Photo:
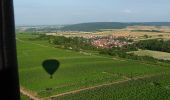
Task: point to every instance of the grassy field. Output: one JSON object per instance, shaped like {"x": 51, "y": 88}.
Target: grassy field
{"x": 155, "y": 54}
{"x": 77, "y": 71}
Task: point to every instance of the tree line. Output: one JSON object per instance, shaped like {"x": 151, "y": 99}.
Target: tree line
{"x": 154, "y": 44}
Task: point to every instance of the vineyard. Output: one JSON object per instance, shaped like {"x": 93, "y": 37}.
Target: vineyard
{"x": 78, "y": 70}
{"x": 154, "y": 88}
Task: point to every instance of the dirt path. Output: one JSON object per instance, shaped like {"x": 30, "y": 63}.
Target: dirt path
{"x": 31, "y": 96}
{"x": 89, "y": 88}
{"x": 98, "y": 86}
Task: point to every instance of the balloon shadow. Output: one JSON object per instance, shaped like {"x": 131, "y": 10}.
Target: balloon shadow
{"x": 51, "y": 66}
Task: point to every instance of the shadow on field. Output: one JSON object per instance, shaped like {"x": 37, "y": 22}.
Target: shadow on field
{"x": 51, "y": 66}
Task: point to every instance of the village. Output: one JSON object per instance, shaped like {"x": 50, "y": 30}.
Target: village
{"x": 110, "y": 41}
{"x": 101, "y": 41}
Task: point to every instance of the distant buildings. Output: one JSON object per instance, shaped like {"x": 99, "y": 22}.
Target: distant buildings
{"x": 109, "y": 42}
{"x": 100, "y": 41}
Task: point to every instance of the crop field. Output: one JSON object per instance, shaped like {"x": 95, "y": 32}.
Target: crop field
{"x": 77, "y": 71}
{"x": 134, "y": 34}
{"x": 138, "y": 32}
{"x": 153, "y": 88}
{"x": 155, "y": 54}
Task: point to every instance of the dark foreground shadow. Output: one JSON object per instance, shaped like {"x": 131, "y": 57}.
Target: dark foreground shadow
{"x": 51, "y": 66}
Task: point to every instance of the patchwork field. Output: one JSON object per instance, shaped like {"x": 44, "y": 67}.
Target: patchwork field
{"x": 134, "y": 32}
{"x": 77, "y": 71}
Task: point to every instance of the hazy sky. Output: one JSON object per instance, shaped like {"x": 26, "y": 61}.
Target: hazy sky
{"x": 40, "y": 12}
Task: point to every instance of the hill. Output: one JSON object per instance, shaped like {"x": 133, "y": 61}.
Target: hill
{"x": 96, "y": 26}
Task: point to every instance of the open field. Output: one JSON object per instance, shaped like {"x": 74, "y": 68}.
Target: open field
{"x": 159, "y": 28}
{"x": 77, "y": 70}
{"x": 139, "y": 35}
{"x": 155, "y": 54}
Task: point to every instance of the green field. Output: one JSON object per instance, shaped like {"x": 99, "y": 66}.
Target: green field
{"x": 153, "y": 88}
{"x": 77, "y": 70}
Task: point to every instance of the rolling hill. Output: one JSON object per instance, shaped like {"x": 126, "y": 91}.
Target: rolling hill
{"x": 96, "y": 26}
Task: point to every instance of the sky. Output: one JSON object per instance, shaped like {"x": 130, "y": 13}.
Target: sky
{"x": 59, "y": 12}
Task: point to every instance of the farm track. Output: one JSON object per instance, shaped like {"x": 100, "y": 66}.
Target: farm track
{"x": 98, "y": 86}
{"x": 30, "y": 95}
{"x": 33, "y": 96}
